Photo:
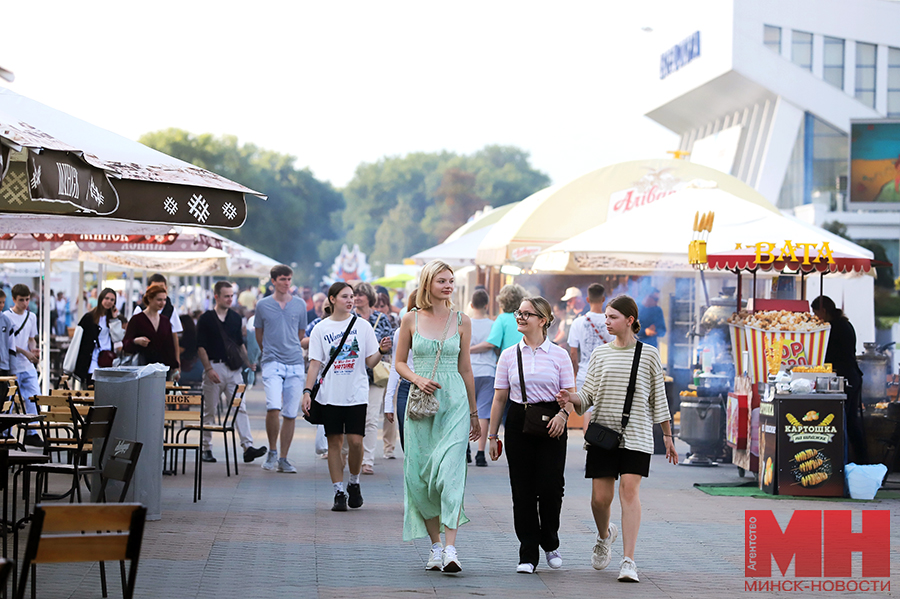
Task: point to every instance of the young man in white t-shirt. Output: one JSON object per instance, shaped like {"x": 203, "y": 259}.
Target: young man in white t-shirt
{"x": 25, "y": 332}
{"x": 588, "y": 332}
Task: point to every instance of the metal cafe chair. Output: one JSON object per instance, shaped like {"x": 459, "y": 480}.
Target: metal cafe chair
{"x": 227, "y": 427}
{"x": 119, "y": 467}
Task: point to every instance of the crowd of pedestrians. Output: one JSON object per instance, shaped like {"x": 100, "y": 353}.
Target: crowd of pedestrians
{"x": 431, "y": 378}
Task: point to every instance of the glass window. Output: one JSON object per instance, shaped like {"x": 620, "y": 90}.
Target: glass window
{"x": 865, "y": 73}
{"x": 893, "y": 83}
{"x": 801, "y": 49}
{"x": 772, "y": 38}
{"x": 833, "y": 65}
{"x": 827, "y": 157}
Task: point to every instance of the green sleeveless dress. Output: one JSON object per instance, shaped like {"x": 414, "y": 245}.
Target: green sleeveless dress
{"x": 434, "y": 466}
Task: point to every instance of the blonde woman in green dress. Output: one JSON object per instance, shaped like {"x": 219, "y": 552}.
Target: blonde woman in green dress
{"x": 435, "y": 447}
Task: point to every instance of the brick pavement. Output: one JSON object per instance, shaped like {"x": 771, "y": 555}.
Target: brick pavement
{"x": 267, "y": 535}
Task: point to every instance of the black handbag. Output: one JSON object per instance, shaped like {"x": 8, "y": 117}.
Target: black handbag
{"x": 537, "y": 415}
{"x": 316, "y": 410}
{"x": 603, "y": 436}
{"x": 234, "y": 359}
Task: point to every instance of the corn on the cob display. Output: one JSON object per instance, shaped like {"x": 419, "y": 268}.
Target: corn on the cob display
{"x": 792, "y": 420}
{"x": 811, "y": 480}
{"x": 810, "y": 465}
{"x": 827, "y": 420}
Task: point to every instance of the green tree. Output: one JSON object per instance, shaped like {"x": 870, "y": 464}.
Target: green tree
{"x": 401, "y": 205}
{"x": 302, "y": 215}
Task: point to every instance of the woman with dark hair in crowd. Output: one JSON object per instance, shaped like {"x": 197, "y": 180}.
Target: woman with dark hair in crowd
{"x": 606, "y": 388}
{"x": 841, "y": 354}
{"x": 149, "y": 333}
{"x": 97, "y": 347}
{"x": 344, "y": 389}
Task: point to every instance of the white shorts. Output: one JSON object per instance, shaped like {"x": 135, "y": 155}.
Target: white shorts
{"x": 284, "y": 387}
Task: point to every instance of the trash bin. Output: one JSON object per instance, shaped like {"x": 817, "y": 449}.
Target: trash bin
{"x": 139, "y": 394}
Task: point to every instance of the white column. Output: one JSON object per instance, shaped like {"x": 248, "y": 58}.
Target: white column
{"x": 129, "y": 292}
{"x": 80, "y": 290}
{"x": 818, "y": 55}
{"x": 777, "y": 149}
{"x": 45, "y": 322}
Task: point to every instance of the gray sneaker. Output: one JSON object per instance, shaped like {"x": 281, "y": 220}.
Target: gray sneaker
{"x": 285, "y": 466}
{"x": 602, "y": 553}
{"x": 271, "y": 461}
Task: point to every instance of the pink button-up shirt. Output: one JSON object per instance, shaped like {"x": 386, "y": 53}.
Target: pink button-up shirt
{"x": 547, "y": 369}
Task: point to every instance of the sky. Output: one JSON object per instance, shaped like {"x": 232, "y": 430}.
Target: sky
{"x": 336, "y": 84}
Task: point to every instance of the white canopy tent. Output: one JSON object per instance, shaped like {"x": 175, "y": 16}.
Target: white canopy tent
{"x": 653, "y": 240}
{"x": 655, "y": 237}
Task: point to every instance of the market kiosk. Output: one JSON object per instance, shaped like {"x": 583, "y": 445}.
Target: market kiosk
{"x": 784, "y": 418}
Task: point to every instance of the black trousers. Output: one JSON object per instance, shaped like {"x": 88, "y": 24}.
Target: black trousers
{"x": 537, "y": 476}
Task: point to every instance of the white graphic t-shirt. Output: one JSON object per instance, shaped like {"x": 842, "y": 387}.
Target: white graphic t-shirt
{"x": 587, "y": 333}
{"x": 345, "y": 383}
{"x": 20, "y": 363}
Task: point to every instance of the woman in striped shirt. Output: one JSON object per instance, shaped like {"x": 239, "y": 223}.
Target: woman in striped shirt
{"x": 605, "y": 387}
{"x": 536, "y": 462}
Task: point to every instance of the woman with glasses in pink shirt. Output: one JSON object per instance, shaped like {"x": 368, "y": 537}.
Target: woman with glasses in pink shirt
{"x": 531, "y": 374}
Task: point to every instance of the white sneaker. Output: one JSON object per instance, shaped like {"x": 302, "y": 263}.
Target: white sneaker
{"x": 451, "y": 561}
{"x": 525, "y": 568}
{"x": 271, "y": 461}
{"x": 602, "y": 553}
{"x": 554, "y": 559}
{"x": 628, "y": 571}
{"x": 435, "y": 562}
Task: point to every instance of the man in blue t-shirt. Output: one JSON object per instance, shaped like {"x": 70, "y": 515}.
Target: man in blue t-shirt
{"x": 280, "y": 326}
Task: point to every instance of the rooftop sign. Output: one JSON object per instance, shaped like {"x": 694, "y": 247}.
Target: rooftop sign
{"x": 679, "y": 55}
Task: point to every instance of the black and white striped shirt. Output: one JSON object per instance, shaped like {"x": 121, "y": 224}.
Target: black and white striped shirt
{"x": 605, "y": 386}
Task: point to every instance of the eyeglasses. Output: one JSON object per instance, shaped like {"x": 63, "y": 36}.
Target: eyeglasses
{"x": 525, "y": 315}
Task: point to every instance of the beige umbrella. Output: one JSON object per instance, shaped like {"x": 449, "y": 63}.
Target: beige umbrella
{"x": 563, "y": 211}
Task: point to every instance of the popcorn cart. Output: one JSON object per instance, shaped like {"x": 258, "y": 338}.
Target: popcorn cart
{"x": 769, "y": 326}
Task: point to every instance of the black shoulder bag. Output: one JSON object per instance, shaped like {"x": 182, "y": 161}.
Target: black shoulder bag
{"x": 603, "y": 436}
{"x": 234, "y": 359}
{"x": 316, "y": 415}
{"x": 537, "y": 415}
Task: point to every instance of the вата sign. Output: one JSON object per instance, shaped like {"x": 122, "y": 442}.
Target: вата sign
{"x": 679, "y": 55}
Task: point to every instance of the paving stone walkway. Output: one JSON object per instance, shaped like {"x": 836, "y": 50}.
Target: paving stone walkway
{"x": 268, "y": 535}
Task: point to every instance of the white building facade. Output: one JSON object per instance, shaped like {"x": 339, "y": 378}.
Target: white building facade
{"x": 766, "y": 90}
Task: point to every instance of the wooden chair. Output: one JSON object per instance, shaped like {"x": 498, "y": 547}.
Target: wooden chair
{"x": 57, "y": 427}
{"x": 86, "y": 396}
{"x": 96, "y": 425}
{"x": 87, "y": 532}
{"x": 9, "y": 403}
{"x": 119, "y": 467}
{"x": 228, "y": 427}
{"x": 191, "y": 412}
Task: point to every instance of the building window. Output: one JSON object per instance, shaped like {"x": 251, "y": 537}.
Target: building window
{"x": 865, "y": 73}
{"x": 772, "y": 38}
{"x": 801, "y": 49}
{"x": 833, "y": 65}
{"x": 893, "y": 89}
{"x": 826, "y": 158}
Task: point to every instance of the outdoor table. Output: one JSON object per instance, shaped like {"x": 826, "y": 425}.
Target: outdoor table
{"x": 14, "y": 458}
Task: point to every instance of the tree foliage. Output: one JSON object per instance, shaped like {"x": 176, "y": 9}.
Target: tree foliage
{"x": 302, "y": 215}
{"x": 401, "y": 205}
